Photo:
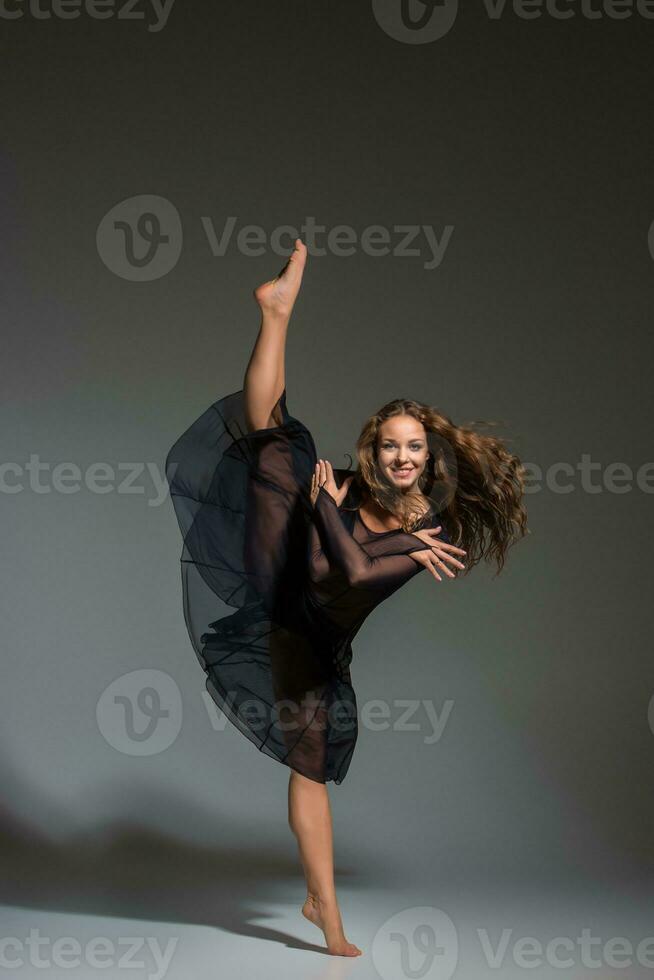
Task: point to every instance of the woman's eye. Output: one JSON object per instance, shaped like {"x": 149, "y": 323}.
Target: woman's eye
{"x": 413, "y": 449}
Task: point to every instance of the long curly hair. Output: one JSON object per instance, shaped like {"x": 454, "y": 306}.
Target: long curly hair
{"x": 472, "y": 481}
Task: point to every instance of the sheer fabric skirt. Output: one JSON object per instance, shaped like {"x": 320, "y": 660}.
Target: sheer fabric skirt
{"x": 274, "y": 666}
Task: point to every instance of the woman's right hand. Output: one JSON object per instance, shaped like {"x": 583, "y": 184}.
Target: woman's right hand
{"x": 323, "y": 476}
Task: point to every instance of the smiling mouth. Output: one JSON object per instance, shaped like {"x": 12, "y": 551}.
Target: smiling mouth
{"x": 403, "y": 472}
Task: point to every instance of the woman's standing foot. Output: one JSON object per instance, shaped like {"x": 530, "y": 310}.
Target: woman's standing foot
{"x": 326, "y": 916}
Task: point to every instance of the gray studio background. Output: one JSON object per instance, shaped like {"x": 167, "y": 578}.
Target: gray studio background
{"x": 532, "y": 139}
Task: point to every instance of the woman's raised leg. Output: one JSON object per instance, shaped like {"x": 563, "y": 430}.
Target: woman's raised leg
{"x": 310, "y": 818}
{"x": 264, "y": 376}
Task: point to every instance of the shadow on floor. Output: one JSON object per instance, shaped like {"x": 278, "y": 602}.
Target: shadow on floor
{"x": 133, "y": 871}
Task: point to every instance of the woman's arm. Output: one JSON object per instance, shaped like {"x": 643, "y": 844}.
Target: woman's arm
{"x": 319, "y": 567}
{"x": 329, "y": 534}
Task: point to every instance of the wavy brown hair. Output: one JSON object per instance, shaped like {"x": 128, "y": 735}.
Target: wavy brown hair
{"x": 472, "y": 481}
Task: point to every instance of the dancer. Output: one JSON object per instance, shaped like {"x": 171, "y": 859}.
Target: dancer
{"x": 305, "y": 552}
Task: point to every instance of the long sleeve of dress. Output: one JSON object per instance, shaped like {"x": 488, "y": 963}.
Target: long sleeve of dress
{"x": 331, "y": 545}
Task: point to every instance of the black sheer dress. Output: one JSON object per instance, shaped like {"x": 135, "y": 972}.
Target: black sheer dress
{"x": 302, "y": 581}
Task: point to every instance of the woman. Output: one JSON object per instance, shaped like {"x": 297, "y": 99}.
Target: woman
{"x": 304, "y": 559}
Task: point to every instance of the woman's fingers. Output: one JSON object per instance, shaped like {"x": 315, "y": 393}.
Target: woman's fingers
{"x": 444, "y": 555}
{"x": 428, "y": 560}
{"x": 444, "y": 544}
{"x": 444, "y": 568}
{"x": 325, "y": 471}
{"x": 439, "y": 548}
{"x": 431, "y": 565}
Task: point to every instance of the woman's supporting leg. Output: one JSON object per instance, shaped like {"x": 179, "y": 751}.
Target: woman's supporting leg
{"x": 310, "y": 818}
{"x": 264, "y": 376}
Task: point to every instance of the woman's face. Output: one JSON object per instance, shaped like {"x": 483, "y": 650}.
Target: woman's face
{"x": 402, "y": 450}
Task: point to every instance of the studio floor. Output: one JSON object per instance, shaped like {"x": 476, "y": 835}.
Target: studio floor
{"x": 434, "y": 933}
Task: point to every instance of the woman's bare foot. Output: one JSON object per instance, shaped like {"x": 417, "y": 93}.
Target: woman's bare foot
{"x": 326, "y": 916}
{"x": 277, "y": 296}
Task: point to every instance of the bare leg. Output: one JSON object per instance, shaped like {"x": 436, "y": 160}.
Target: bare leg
{"x": 310, "y": 818}
{"x": 309, "y": 812}
{"x": 264, "y": 376}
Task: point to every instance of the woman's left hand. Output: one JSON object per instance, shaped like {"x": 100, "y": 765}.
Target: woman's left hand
{"x": 429, "y": 535}
{"x": 323, "y": 476}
